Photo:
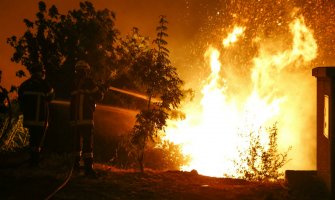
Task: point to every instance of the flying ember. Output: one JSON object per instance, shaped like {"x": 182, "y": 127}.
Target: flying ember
{"x": 216, "y": 127}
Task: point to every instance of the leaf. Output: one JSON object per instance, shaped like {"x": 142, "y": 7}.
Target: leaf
{"x": 28, "y": 23}
{"x": 53, "y": 12}
{"x": 41, "y": 6}
{"x": 13, "y": 88}
{"x": 20, "y": 74}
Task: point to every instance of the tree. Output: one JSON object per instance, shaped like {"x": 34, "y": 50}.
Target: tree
{"x": 160, "y": 80}
{"x": 130, "y": 51}
{"x": 12, "y": 134}
{"x": 56, "y": 42}
{"x": 262, "y": 162}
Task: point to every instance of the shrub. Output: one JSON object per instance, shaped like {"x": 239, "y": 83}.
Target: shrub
{"x": 12, "y": 133}
{"x": 261, "y": 160}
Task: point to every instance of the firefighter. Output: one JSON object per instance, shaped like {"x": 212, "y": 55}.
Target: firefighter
{"x": 84, "y": 95}
{"x": 34, "y": 96}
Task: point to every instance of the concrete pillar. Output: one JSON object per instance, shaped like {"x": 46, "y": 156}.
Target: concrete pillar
{"x": 325, "y": 125}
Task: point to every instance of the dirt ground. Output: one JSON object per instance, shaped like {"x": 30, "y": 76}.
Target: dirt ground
{"x": 25, "y": 182}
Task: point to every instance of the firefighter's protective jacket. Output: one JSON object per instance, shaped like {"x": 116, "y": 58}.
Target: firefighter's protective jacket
{"x": 34, "y": 97}
{"x": 84, "y": 95}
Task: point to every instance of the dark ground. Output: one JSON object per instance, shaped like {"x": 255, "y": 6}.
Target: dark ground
{"x": 25, "y": 182}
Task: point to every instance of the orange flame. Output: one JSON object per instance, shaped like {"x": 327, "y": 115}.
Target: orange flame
{"x": 233, "y": 37}
{"x": 211, "y": 132}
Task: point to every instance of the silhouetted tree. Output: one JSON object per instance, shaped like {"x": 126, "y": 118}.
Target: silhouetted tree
{"x": 56, "y": 42}
{"x": 161, "y": 81}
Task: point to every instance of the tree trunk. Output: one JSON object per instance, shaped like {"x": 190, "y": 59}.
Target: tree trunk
{"x": 140, "y": 161}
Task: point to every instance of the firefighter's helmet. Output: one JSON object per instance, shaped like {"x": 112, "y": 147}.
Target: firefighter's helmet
{"x": 82, "y": 66}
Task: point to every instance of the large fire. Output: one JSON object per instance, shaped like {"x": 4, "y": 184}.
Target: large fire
{"x": 211, "y": 132}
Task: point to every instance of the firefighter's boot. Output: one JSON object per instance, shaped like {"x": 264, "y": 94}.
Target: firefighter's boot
{"x": 76, "y": 164}
{"x": 89, "y": 171}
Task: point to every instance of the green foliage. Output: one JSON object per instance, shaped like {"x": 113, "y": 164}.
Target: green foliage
{"x": 13, "y": 136}
{"x": 17, "y": 137}
{"x": 20, "y": 73}
{"x": 131, "y": 53}
{"x": 12, "y": 133}
{"x": 165, "y": 156}
{"x": 57, "y": 41}
{"x": 160, "y": 80}
{"x": 262, "y": 162}
{"x": 160, "y": 155}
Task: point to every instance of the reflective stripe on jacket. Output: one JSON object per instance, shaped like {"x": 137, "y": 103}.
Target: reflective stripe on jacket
{"x": 82, "y": 105}
{"x": 34, "y": 96}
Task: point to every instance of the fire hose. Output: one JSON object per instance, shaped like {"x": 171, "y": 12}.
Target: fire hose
{"x": 65, "y": 182}
{"x": 134, "y": 94}
{"x": 68, "y": 177}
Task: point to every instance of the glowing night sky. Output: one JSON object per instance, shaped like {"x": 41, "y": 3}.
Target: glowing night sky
{"x": 192, "y": 23}
{"x": 182, "y": 17}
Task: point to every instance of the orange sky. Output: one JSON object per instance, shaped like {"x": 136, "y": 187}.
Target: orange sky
{"x": 143, "y": 14}
{"x": 188, "y": 21}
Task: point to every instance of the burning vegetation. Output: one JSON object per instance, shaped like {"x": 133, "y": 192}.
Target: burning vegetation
{"x": 230, "y": 131}
{"x": 254, "y": 104}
